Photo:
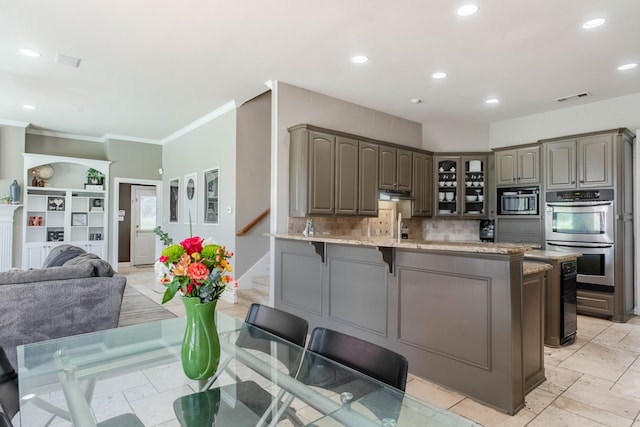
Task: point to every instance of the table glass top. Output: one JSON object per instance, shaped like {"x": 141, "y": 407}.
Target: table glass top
{"x": 97, "y": 378}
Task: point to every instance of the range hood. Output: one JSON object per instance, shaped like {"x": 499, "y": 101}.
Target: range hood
{"x": 395, "y": 195}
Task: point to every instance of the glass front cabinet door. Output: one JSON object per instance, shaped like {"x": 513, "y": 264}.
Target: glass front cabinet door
{"x": 461, "y": 186}
{"x": 447, "y": 170}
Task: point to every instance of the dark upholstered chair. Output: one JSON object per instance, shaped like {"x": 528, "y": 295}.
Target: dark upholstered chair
{"x": 252, "y": 401}
{"x": 373, "y": 360}
{"x": 379, "y": 363}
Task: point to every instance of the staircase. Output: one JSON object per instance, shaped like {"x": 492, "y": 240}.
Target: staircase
{"x": 258, "y": 293}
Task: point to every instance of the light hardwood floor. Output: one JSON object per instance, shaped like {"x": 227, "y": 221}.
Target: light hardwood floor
{"x": 592, "y": 382}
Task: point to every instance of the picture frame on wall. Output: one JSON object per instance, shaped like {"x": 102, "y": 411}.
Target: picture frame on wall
{"x": 211, "y": 196}
{"x": 174, "y": 199}
{"x": 190, "y": 193}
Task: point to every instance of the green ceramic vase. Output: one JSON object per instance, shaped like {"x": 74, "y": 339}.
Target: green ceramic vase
{"x": 200, "y": 345}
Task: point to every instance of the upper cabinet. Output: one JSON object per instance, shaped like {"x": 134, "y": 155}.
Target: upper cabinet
{"x": 422, "y": 184}
{"x": 461, "y": 181}
{"x": 368, "y": 170}
{"x": 332, "y": 173}
{"x": 518, "y": 166}
{"x": 395, "y": 168}
{"x": 583, "y": 162}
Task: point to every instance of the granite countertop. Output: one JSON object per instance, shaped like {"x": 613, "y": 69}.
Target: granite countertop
{"x": 529, "y": 267}
{"x": 474, "y": 247}
{"x": 543, "y": 255}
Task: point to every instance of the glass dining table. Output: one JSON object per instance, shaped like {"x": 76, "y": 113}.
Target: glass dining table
{"x": 132, "y": 376}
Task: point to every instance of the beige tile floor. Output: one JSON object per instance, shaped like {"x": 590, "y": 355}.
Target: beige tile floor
{"x": 593, "y": 382}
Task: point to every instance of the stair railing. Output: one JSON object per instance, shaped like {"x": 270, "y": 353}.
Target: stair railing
{"x": 253, "y": 223}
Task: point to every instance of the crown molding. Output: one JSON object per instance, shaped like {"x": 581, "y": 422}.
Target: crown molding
{"x": 16, "y": 123}
{"x": 229, "y": 106}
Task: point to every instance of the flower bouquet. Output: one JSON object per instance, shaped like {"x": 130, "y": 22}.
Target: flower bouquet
{"x": 196, "y": 267}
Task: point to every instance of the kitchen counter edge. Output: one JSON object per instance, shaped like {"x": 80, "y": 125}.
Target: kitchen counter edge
{"x": 453, "y": 246}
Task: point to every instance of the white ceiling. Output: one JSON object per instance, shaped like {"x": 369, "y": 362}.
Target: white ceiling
{"x": 150, "y": 68}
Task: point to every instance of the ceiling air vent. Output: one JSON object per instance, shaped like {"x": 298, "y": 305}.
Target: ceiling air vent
{"x": 572, "y": 97}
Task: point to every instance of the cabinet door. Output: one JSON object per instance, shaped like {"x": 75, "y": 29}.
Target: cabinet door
{"x": 346, "y": 176}
{"x": 321, "y": 173}
{"x": 368, "y": 160}
{"x": 447, "y": 174}
{"x": 560, "y": 163}
{"x": 387, "y": 168}
{"x": 528, "y": 170}
{"x": 595, "y": 161}
{"x": 404, "y": 177}
{"x": 506, "y": 167}
{"x": 473, "y": 189}
{"x": 427, "y": 206}
{"x": 417, "y": 206}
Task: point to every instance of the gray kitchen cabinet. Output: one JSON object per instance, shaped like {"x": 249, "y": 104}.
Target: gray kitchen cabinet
{"x": 422, "y": 184}
{"x": 395, "y": 168}
{"x": 311, "y": 172}
{"x": 520, "y": 229}
{"x": 584, "y": 162}
{"x": 461, "y": 185}
{"x": 346, "y": 178}
{"x": 518, "y": 166}
{"x": 368, "y": 169}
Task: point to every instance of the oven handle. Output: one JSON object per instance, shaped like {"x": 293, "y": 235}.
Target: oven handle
{"x": 583, "y": 245}
{"x": 579, "y": 204}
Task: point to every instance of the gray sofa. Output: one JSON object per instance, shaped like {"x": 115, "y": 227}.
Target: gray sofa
{"x": 74, "y": 293}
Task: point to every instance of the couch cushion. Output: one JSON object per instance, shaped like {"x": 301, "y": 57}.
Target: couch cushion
{"x": 46, "y": 274}
{"x": 101, "y": 267}
{"x": 61, "y": 254}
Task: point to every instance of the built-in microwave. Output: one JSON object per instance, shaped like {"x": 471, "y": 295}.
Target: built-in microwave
{"x": 518, "y": 201}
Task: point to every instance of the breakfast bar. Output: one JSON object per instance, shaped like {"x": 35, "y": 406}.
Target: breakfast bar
{"x": 457, "y": 310}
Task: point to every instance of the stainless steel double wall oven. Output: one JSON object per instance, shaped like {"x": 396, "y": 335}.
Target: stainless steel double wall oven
{"x": 583, "y": 222}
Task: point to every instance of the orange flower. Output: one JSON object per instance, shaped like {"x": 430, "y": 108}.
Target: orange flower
{"x": 197, "y": 271}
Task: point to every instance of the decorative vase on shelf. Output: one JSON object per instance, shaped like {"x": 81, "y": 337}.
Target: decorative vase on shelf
{"x": 201, "y": 344}
{"x": 14, "y": 192}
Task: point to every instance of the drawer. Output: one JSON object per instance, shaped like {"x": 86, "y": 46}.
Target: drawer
{"x": 599, "y": 303}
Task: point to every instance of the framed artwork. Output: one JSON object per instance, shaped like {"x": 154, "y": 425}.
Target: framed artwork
{"x": 211, "y": 195}
{"x": 190, "y": 199}
{"x": 79, "y": 219}
{"x": 55, "y": 203}
{"x": 174, "y": 197}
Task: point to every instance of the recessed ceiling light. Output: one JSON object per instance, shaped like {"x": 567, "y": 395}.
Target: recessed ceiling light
{"x": 359, "y": 59}
{"x": 439, "y": 75}
{"x": 467, "y": 9}
{"x": 30, "y": 52}
{"x": 627, "y": 67}
{"x": 416, "y": 101}
{"x": 492, "y": 101}
{"x": 29, "y": 107}
{"x": 593, "y": 23}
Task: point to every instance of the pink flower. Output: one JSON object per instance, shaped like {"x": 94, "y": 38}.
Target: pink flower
{"x": 163, "y": 258}
{"x": 197, "y": 271}
{"x": 192, "y": 245}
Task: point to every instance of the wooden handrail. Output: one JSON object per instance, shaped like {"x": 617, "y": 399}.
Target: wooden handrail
{"x": 253, "y": 223}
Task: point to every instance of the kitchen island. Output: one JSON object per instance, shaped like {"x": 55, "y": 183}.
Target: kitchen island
{"x": 454, "y": 309}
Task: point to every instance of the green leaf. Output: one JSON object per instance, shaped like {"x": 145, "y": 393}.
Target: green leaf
{"x": 172, "y": 288}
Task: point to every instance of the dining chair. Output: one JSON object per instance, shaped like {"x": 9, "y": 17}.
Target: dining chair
{"x": 9, "y": 403}
{"x": 385, "y": 366}
{"x": 265, "y": 321}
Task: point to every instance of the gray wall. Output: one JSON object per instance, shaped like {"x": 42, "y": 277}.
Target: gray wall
{"x": 295, "y": 105}
{"x": 253, "y": 157}
{"x": 210, "y": 145}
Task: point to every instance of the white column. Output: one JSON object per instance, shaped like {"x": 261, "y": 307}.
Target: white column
{"x": 6, "y": 235}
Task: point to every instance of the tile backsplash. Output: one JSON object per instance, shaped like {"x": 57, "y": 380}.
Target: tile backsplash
{"x": 385, "y": 225}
